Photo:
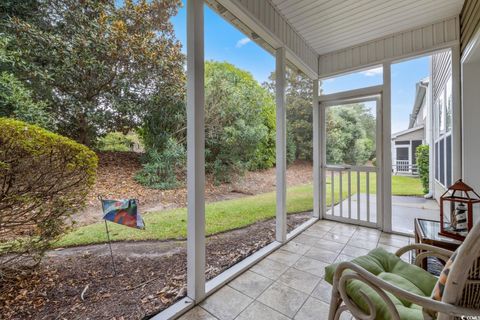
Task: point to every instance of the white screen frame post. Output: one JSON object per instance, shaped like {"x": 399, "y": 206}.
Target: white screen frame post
{"x": 281, "y": 146}
{"x": 387, "y": 147}
{"x": 195, "y": 151}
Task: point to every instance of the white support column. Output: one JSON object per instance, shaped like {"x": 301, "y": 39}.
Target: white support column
{"x": 456, "y": 116}
{"x": 195, "y": 151}
{"x": 281, "y": 146}
{"x": 386, "y": 152}
{"x": 318, "y": 186}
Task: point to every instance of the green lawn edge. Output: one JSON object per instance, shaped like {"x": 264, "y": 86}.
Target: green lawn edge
{"x": 226, "y": 215}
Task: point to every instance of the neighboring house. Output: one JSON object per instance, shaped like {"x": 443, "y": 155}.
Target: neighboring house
{"x": 430, "y": 123}
{"x": 405, "y": 143}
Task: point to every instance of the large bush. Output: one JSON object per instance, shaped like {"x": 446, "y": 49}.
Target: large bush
{"x": 16, "y": 101}
{"x": 239, "y": 122}
{"x": 117, "y": 141}
{"x": 422, "y": 154}
{"x": 161, "y": 169}
{"x": 44, "y": 178}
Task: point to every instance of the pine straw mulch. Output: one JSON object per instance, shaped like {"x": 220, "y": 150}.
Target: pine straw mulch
{"x": 151, "y": 275}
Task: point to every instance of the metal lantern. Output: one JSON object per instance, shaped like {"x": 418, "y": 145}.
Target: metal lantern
{"x": 457, "y": 206}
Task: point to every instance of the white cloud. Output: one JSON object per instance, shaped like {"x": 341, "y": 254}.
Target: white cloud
{"x": 242, "y": 42}
{"x": 373, "y": 72}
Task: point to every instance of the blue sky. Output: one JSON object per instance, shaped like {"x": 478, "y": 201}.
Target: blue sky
{"x": 404, "y": 77}
{"x": 223, "y": 42}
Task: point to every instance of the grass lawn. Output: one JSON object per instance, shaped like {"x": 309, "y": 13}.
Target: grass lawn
{"x": 228, "y": 214}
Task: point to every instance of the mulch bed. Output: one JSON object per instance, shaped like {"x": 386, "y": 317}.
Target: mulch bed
{"x": 151, "y": 276}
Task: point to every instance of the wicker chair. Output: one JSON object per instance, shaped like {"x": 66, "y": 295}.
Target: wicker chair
{"x": 461, "y": 295}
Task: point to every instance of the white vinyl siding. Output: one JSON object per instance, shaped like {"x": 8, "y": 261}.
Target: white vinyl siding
{"x": 442, "y": 108}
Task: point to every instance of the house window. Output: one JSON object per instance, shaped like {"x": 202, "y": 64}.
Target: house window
{"x": 441, "y": 111}
{"x": 448, "y": 106}
{"x": 448, "y": 156}
{"x": 436, "y": 161}
{"x": 443, "y": 136}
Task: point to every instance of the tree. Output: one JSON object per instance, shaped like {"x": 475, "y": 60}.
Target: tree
{"x": 239, "y": 121}
{"x": 99, "y": 67}
{"x": 16, "y": 102}
{"x": 299, "y": 94}
{"x": 239, "y": 129}
{"x": 349, "y": 134}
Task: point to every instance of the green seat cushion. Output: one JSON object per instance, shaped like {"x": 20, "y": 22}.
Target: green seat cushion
{"x": 394, "y": 270}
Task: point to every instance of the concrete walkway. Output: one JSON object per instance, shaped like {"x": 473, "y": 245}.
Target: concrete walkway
{"x": 404, "y": 210}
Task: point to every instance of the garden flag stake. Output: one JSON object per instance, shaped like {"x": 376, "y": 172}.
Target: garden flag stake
{"x": 124, "y": 212}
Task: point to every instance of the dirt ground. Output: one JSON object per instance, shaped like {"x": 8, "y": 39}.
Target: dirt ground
{"x": 150, "y": 276}
{"x": 115, "y": 179}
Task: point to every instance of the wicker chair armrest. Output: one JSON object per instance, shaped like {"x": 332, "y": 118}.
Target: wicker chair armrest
{"x": 381, "y": 287}
{"x": 428, "y": 251}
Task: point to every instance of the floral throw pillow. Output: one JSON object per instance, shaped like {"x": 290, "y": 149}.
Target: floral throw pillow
{"x": 437, "y": 292}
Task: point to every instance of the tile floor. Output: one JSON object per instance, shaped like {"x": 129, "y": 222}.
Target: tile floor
{"x": 288, "y": 284}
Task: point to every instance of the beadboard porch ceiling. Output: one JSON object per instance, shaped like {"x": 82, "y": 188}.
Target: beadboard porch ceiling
{"x": 330, "y": 25}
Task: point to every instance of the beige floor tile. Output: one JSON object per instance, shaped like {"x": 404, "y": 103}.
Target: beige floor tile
{"x": 365, "y": 237}
{"x": 226, "y": 303}
{"x": 251, "y": 284}
{"x": 395, "y": 236}
{"x": 283, "y": 299}
{"x": 344, "y": 230}
{"x": 299, "y": 280}
{"x": 313, "y": 309}
{"x": 394, "y": 242}
{"x": 323, "y": 291}
{"x": 322, "y": 255}
{"x": 320, "y": 225}
{"x": 388, "y": 248}
{"x": 354, "y": 251}
{"x": 197, "y": 313}
{"x": 259, "y": 311}
{"x": 343, "y": 257}
{"x": 314, "y": 233}
{"x": 330, "y": 245}
{"x": 336, "y": 237}
{"x": 285, "y": 257}
{"x": 269, "y": 268}
{"x": 307, "y": 239}
{"x": 296, "y": 247}
{"x": 363, "y": 244}
{"x": 312, "y": 266}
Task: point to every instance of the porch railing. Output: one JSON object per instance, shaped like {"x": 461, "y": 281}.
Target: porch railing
{"x": 351, "y": 191}
{"x": 404, "y": 167}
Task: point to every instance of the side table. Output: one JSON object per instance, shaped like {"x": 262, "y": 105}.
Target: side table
{"x": 426, "y": 231}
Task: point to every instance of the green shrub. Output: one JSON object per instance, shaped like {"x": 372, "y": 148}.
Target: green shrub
{"x": 117, "y": 141}
{"x": 291, "y": 146}
{"x": 44, "y": 178}
{"x": 239, "y": 122}
{"x": 160, "y": 169}
{"x": 422, "y": 154}
{"x": 16, "y": 101}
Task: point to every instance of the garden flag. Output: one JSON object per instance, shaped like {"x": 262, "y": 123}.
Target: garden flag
{"x": 123, "y": 212}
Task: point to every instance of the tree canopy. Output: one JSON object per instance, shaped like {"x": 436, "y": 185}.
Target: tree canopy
{"x": 350, "y": 129}
{"x": 350, "y": 134}
{"x": 99, "y": 67}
